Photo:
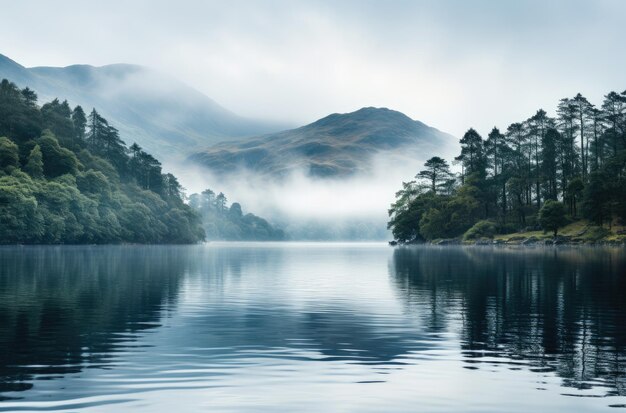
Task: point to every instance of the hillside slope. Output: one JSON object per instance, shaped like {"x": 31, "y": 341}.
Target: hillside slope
{"x": 335, "y": 146}
{"x": 165, "y": 116}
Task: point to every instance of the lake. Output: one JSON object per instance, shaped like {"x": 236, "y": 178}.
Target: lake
{"x": 312, "y": 327}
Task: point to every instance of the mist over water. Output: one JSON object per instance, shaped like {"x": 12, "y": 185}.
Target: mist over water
{"x": 345, "y": 208}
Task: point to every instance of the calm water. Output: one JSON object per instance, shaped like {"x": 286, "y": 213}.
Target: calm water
{"x": 312, "y": 328}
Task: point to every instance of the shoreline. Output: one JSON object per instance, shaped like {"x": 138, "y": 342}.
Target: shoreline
{"x": 576, "y": 233}
{"x": 518, "y": 242}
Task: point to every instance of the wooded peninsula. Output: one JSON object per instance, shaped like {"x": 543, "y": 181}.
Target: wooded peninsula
{"x": 540, "y": 176}
{"x": 66, "y": 177}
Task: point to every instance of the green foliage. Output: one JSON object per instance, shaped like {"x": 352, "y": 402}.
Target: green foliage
{"x": 20, "y": 119}
{"x": 452, "y": 217}
{"x": 481, "y": 229}
{"x": 405, "y": 214}
{"x": 605, "y": 195}
{"x": 573, "y": 191}
{"x": 72, "y": 191}
{"x": 20, "y": 218}
{"x": 436, "y": 174}
{"x": 56, "y": 159}
{"x": 552, "y": 216}
{"x": 34, "y": 164}
{"x": 9, "y": 154}
{"x": 56, "y": 117}
{"x": 578, "y": 158}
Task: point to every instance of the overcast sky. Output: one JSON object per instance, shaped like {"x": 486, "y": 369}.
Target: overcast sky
{"x": 450, "y": 64}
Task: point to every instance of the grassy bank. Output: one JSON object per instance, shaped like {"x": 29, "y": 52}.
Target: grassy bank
{"x": 578, "y": 232}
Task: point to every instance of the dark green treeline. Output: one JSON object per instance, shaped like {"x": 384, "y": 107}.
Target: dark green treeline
{"x": 577, "y": 158}
{"x": 67, "y": 177}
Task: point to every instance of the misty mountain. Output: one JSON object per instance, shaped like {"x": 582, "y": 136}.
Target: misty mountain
{"x": 160, "y": 113}
{"x": 335, "y": 146}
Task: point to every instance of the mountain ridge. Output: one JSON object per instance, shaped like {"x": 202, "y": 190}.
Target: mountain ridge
{"x": 161, "y": 113}
{"x": 340, "y": 144}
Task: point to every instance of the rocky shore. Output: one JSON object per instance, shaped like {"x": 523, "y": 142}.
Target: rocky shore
{"x": 576, "y": 233}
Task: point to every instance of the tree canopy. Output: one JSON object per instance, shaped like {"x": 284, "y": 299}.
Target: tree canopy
{"x": 522, "y": 178}
{"x": 69, "y": 178}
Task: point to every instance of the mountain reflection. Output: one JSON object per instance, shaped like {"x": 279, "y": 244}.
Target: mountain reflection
{"x": 165, "y": 316}
{"x": 560, "y": 310}
{"x": 66, "y": 309}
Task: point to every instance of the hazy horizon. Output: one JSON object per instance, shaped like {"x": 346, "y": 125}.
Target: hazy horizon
{"x": 448, "y": 64}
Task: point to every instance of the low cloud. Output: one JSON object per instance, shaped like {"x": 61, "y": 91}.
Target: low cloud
{"x": 351, "y": 207}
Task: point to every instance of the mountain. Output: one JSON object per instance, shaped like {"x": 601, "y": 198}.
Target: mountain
{"x": 160, "y": 113}
{"x": 335, "y": 146}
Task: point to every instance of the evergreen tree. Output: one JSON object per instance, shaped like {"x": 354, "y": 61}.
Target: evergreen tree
{"x": 498, "y": 158}
{"x": 567, "y": 115}
{"x": 472, "y": 154}
{"x": 597, "y": 146}
{"x": 437, "y": 173}
{"x": 56, "y": 117}
{"x": 220, "y": 203}
{"x": 552, "y": 216}
{"x": 582, "y": 109}
{"x": 9, "y": 154}
{"x": 579, "y": 158}
{"x": 79, "y": 122}
{"x": 20, "y": 118}
{"x": 614, "y": 108}
{"x": 549, "y": 164}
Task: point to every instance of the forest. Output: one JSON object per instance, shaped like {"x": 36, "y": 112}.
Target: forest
{"x": 539, "y": 174}
{"x": 66, "y": 177}
{"x": 223, "y": 222}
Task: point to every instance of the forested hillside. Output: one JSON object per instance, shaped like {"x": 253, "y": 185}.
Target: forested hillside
{"x": 540, "y": 173}
{"x": 67, "y": 177}
{"x": 165, "y": 116}
{"x": 224, "y": 222}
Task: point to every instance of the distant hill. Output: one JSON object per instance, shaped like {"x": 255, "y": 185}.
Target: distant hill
{"x": 163, "y": 115}
{"x": 335, "y": 146}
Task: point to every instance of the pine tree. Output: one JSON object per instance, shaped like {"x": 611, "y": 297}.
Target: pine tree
{"x": 549, "y": 163}
{"x": 79, "y": 120}
{"x": 472, "y": 154}
{"x": 437, "y": 173}
{"x": 582, "y": 110}
{"x": 220, "y": 202}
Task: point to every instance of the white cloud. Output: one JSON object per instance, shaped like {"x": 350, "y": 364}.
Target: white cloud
{"x": 451, "y": 64}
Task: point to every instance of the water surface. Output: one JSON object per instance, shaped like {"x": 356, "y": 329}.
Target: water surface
{"x": 246, "y": 327}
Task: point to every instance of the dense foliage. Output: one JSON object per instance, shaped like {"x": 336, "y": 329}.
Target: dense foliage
{"x": 222, "y": 222}
{"x": 67, "y": 177}
{"x": 574, "y": 164}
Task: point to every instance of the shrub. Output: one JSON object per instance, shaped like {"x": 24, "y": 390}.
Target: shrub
{"x": 552, "y": 216}
{"x": 481, "y": 229}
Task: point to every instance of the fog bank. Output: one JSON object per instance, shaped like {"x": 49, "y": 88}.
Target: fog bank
{"x": 308, "y": 207}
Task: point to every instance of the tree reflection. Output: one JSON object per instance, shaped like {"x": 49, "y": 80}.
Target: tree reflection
{"x": 561, "y": 310}
{"x": 66, "y": 308}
